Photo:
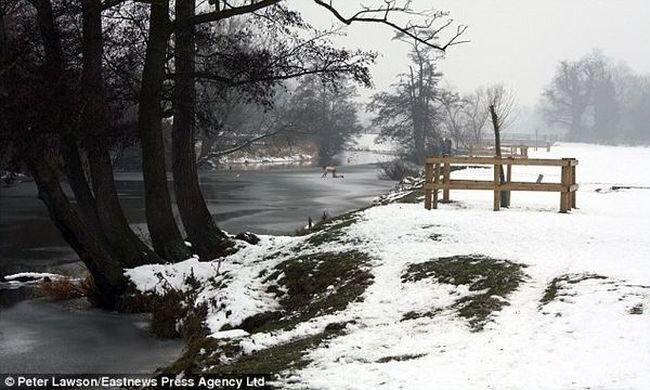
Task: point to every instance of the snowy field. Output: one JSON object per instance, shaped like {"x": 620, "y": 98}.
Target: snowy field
{"x": 579, "y": 319}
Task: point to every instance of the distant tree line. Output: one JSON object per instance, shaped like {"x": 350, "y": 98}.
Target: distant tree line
{"x": 594, "y": 99}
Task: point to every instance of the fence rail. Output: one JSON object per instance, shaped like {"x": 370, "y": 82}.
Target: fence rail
{"x": 515, "y": 151}
{"x": 438, "y": 171}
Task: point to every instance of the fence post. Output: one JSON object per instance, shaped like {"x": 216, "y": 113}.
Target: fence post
{"x": 428, "y": 181}
{"x": 509, "y": 180}
{"x": 565, "y": 194}
{"x": 573, "y": 181}
{"x": 497, "y": 185}
{"x": 445, "y": 182}
{"x": 436, "y": 182}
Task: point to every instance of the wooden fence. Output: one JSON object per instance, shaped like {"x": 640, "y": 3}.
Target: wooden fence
{"x": 515, "y": 151}
{"x": 438, "y": 170}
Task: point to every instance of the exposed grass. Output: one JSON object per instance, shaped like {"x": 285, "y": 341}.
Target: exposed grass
{"x": 414, "y": 196}
{"x": 209, "y": 355}
{"x": 553, "y": 290}
{"x": 636, "y": 309}
{"x": 400, "y": 358}
{"x": 279, "y": 358}
{"x": 491, "y": 280}
{"x": 333, "y": 229}
{"x": 313, "y": 285}
{"x": 203, "y": 353}
{"x": 334, "y": 222}
{"x": 413, "y": 315}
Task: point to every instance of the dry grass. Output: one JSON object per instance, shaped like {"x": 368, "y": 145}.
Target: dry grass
{"x": 66, "y": 288}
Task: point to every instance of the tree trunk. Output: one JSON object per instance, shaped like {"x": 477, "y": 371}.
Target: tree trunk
{"x": 74, "y": 171}
{"x": 165, "y": 235}
{"x": 505, "y": 201}
{"x": 4, "y": 43}
{"x": 131, "y": 250}
{"x": 208, "y": 241}
{"x": 86, "y": 239}
{"x": 94, "y": 119}
{"x": 82, "y": 232}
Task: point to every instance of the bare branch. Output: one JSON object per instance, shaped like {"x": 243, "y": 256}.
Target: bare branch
{"x": 227, "y": 12}
{"x": 423, "y": 33}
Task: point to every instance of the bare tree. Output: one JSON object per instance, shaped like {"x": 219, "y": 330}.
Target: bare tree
{"x": 455, "y": 120}
{"x": 476, "y": 113}
{"x": 502, "y": 105}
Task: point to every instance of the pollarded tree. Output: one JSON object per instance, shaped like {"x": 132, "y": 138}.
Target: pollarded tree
{"x": 501, "y": 104}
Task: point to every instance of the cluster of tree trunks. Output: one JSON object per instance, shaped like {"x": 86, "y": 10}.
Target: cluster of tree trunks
{"x": 61, "y": 126}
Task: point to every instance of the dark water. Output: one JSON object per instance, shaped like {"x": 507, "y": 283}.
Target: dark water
{"x": 36, "y": 336}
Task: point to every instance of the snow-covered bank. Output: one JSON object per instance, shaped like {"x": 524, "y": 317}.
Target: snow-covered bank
{"x": 395, "y": 296}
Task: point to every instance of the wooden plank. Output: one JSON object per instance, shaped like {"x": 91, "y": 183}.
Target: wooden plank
{"x": 465, "y": 185}
{"x": 495, "y": 160}
{"x": 436, "y": 181}
{"x": 445, "y": 180}
{"x": 509, "y": 181}
{"x": 428, "y": 176}
{"x": 564, "y": 199}
{"x": 489, "y": 185}
{"x": 497, "y": 190}
{"x": 573, "y": 183}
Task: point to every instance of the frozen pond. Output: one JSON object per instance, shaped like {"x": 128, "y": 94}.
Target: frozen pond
{"x": 36, "y": 336}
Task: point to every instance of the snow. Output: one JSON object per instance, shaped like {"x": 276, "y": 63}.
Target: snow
{"x": 593, "y": 335}
{"x": 230, "y": 334}
{"x": 244, "y": 295}
{"x": 32, "y": 276}
{"x": 256, "y": 159}
{"x": 588, "y": 341}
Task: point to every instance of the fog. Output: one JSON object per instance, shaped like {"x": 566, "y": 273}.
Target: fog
{"x": 515, "y": 42}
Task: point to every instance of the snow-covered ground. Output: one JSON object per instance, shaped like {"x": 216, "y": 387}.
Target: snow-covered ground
{"x": 580, "y": 318}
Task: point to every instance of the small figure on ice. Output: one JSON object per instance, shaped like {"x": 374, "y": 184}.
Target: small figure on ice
{"x": 330, "y": 169}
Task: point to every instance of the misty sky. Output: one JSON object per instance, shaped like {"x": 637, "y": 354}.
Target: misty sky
{"x": 515, "y": 42}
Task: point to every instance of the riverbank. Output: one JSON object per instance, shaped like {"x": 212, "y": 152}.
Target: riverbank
{"x": 396, "y": 296}
{"x": 276, "y": 201}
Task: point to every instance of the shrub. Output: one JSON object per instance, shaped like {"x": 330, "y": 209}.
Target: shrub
{"x": 398, "y": 170}
{"x": 176, "y": 313}
{"x": 66, "y": 288}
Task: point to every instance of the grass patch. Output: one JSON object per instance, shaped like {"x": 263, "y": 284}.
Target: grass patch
{"x": 333, "y": 229}
{"x": 553, "y": 290}
{"x": 414, "y": 196}
{"x": 312, "y": 285}
{"x": 203, "y": 353}
{"x": 214, "y": 356}
{"x": 490, "y": 280}
{"x": 414, "y": 315}
{"x": 401, "y": 358}
{"x": 279, "y": 358}
{"x": 636, "y": 309}
{"x": 338, "y": 221}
